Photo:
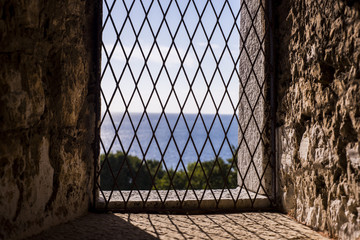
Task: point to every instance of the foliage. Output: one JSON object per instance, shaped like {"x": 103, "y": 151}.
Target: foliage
{"x": 126, "y": 169}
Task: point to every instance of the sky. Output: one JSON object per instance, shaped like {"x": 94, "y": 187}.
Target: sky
{"x": 163, "y": 73}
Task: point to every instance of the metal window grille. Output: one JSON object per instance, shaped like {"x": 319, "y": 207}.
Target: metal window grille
{"x": 164, "y": 59}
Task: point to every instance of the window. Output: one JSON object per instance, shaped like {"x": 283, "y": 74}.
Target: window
{"x": 185, "y": 114}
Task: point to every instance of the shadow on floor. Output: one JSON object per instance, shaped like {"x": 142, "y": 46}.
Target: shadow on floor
{"x": 95, "y": 226}
{"x": 162, "y": 226}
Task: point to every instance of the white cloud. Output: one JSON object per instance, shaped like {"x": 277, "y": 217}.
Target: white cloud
{"x": 204, "y": 44}
{"x": 155, "y": 57}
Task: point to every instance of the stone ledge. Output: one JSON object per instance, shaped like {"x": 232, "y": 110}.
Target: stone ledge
{"x": 182, "y": 199}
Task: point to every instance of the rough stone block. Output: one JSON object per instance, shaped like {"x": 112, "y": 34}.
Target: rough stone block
{"x": 255, "y": 172}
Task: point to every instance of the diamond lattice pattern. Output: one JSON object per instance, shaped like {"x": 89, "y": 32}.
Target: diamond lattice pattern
{"x": 180, "y": 79}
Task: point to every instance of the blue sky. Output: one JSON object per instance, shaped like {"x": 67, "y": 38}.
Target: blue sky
{"x": 174, "y": 57}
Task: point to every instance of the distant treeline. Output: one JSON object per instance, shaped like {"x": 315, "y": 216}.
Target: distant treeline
{"x": 134, "y": 168}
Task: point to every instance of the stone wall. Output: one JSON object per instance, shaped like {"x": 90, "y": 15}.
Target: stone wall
{"x": 318, "y": 73}
{"x": 47, "y": 114}
{"x": 254, "y": 107}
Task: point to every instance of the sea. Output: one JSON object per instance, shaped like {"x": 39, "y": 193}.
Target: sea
{"x": 186, "y": 136}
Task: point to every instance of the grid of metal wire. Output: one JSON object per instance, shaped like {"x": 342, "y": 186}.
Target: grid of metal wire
{"x": 127, "y": 182}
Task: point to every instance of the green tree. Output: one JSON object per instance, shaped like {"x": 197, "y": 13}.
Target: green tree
{"x": 129, "y": 167}
{"x": 216, "y": 171}
{"x": 126, "y": 168}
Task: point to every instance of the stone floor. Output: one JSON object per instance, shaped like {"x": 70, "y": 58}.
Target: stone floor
{"x": 157, "y": 226}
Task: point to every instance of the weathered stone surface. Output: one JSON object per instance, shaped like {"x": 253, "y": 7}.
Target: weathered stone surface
{"x": 253, "y": 152}
{"x": 47, "y": 113}
{"x": 318, "y": 69}
{"x": 155, "y": 200}
{"x": 353, "y": 154}
{"x": 166, "y": 226}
